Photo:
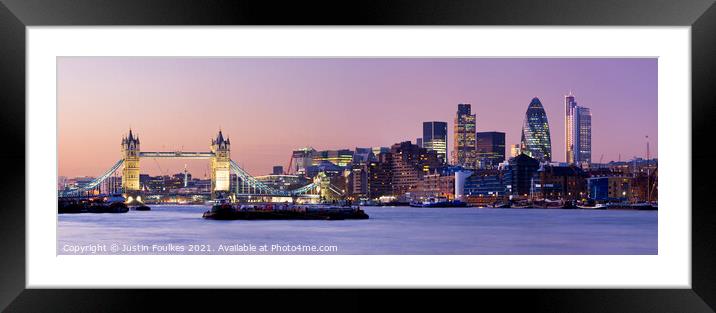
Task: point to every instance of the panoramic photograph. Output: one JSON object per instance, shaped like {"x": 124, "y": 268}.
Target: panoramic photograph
{"x": 357, "y": 156}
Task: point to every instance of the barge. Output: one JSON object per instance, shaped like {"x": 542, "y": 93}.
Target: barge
{"x": 439, "y": 203}
{"x": 227, "y": 211}
{"x": 91, "y": 205}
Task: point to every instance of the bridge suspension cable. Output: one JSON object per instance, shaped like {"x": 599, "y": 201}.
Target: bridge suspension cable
{"x": 254, "y": 185}
{"x": 262, "y": 188}
{"x": 94, "y": 183}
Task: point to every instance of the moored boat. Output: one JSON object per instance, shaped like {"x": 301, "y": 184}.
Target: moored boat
{"x": 90, "y": 205}
{"x": 646, "y": 206}
{"x": 501, "y": 205}
{"x": 142, "y": 208}
{"x": 438, "y": 203}
{"x": 114, "y": 207}
{"x": 225, "y": 211}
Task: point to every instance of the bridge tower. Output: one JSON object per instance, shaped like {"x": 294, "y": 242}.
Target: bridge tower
{"x": 220, "y": 164}
{"x": 130, "y": 173}
{"x": 324, "y": 186}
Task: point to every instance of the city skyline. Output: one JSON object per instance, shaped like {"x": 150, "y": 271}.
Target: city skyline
{"x": 270, "y": 107}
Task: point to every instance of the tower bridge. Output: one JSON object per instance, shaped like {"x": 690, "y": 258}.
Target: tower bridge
{"x": 221, "y": 169}
{"x": 177, "y": 155}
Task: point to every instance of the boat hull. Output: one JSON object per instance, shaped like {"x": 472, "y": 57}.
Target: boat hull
{"x": 75, "y": 207}
{"x": 223, "y": 213}
{"x": 448, "y": 204}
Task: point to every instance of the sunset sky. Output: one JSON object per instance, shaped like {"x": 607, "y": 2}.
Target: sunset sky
{"x": 270, "y": 106}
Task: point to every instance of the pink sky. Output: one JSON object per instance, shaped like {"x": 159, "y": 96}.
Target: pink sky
{"x": 270, "y": 106}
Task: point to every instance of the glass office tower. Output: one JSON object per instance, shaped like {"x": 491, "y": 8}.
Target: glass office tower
{"x": 490, "y": 149}
{"x": 536, "y": 141}
{"x": 435, "y": 138}
{"x": 577, "y": 132}
{"x": 464, "y": 153}
{"x": 582, "y": 136}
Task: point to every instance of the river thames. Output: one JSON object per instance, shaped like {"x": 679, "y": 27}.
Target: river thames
{"x": 180, "y": 229}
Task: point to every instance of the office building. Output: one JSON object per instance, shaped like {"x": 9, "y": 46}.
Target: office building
{"x": 577, "y": 132}
{"x": 464, "y": 137}
{"x": 380, "y": 176}
{"x": 342, "y": 157}
{"x": 363, "y": 156}
{"x": 410, "y": 163}
{"x": 490, "y": 149}
{"x": 300, "y": 160}
{"x": 435, "y": 138}
{"x": 536, "y": 141}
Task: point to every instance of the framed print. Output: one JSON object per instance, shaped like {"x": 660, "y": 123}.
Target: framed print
{"x": 472, "y": 145}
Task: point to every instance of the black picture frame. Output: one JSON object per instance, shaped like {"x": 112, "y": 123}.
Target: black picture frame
{"x": 16, "y": 15}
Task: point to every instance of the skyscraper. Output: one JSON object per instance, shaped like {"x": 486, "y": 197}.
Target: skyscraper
{"x": 583, "y": 135}
{"x": 577, "y": 132}
{"x": 569, "y": 105}
{"x": 435, "y": 139}
{"x": 490, "y": 149}
{"x": 536, "y": 141}
{"x": 464, "y": 149}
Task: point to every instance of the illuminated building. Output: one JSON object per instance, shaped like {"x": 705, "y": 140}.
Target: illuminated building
{"x": 380, "y": 175}
{"x": 484, "y": 187}
{"x": 583, "y": 136}
{"x": 283, "y": 182}
{"x": 379, "y": 150}
{"x": 490, "y": 149}
{"x": 463, "y": 153}
{"x": 436, "y": 185}
{"x": 410, "y": 164}
{"x": 357, "y": 185}
{"x": 560, "y": 183}
{"x": 357, "y": 180}
{"x": 514, "y": 150}
{"x": 569, "y": 105}
{"x": 536, "y": 141}
{"x": 300, "y": 160}
{"x": 363, "y": 156}
{"x": 435, "y": 138}
{"x": 130, "y": 173}
{"x": 613, "y": 188}
{"x": 342, "y": 157}
{"x": 577, "y": 132}
{"x": 220, "y": 162}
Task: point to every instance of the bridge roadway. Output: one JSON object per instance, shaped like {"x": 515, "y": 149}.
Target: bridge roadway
{"x": 259, "y": 188}
{"x": 177, "y": 155}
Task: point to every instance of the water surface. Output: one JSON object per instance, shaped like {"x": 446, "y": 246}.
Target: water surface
{"x": 390, "y": 230}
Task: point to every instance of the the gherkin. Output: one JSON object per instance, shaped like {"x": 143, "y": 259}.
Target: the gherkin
{"x": 536, "y": 141}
